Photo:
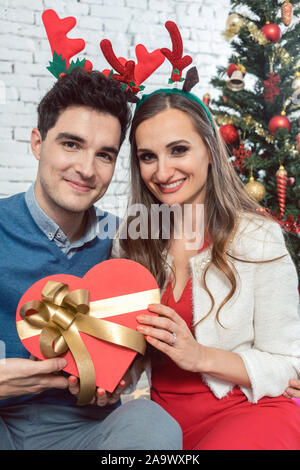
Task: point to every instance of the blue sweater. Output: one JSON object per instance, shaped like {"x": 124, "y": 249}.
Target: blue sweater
{"x": 26, "y": 255}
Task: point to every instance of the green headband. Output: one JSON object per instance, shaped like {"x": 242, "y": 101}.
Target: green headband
{"x": 176, "y": 91}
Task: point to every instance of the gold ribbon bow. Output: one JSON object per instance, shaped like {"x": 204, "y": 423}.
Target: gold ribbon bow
{"x": 62, "y": 314}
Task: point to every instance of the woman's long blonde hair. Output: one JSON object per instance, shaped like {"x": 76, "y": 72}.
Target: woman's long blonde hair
{"x": 225, "y": 197}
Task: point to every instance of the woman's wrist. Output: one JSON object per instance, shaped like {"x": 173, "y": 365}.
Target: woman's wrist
{"x": 222, "y": 364}
{"x": 201, "y": 359}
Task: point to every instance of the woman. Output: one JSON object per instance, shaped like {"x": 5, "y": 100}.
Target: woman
{"x": 227, "y": 334}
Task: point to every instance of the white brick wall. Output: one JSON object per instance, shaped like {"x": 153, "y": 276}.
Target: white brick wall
{"x": 25, "y": 54}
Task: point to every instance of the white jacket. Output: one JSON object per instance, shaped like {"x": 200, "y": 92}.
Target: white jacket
{"x": 261, "y": 321}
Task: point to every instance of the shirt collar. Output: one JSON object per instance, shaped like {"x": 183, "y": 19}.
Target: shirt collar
{"x": 52, "y": 230}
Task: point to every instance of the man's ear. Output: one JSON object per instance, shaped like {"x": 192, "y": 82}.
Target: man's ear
{"x": 36, "y": 142}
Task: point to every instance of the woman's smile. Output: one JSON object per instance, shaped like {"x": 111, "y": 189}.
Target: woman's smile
{"x": 171, "y": 187}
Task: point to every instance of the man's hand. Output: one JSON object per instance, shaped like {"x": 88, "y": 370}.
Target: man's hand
{"x": 101, "y": 397}
{"x": 293, "y": 391}
{"x": 24, "y": 376}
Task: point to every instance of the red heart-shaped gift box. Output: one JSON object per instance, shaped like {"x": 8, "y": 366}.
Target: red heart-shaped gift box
{"x": 109, "y": 283}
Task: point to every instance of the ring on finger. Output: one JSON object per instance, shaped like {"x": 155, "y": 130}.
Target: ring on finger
{"x": 174, "y": 339}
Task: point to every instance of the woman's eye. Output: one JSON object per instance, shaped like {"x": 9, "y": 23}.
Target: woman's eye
{"x": 146, "y": 157}
{"x": 179, "y": 150}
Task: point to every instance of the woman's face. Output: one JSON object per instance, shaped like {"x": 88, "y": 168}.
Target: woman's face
{"x": 173, "y": 158}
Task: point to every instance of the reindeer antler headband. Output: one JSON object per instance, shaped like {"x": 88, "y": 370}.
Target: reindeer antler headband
{"x": 129, "y": 74}
{"x": 62, "y": 47}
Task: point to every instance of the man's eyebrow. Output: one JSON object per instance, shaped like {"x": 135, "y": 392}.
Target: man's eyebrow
{"x": 67, "y": 135}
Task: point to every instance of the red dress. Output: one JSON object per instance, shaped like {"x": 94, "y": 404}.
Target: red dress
{"x": 230, "y": 423}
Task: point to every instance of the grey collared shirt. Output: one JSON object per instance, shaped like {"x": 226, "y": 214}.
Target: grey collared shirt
{"x": 53, "y": 232}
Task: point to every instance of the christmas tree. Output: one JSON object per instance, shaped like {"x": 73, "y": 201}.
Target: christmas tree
{"x": 258, "y": 109}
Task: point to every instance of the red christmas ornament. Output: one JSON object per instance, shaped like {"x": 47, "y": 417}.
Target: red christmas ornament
{"x": 281, "y": 183}
{"x": 272, "y": 32}
{"x": 271, "y": 87}
{"x": 229, "y": 133}
{"x": 279, "y": 121}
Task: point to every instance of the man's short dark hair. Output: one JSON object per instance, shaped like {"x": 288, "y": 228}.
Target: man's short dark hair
{"x": 81, "y": 88}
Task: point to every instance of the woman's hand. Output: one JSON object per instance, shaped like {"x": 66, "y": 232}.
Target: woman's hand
{"x": 102, "y": 397}
{"x": 170, "y": 334}
{"x": 293, "y": 391}
{"x": 186, "y": 352}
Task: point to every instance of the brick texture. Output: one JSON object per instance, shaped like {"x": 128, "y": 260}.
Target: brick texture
{"x": 25, "y": 53}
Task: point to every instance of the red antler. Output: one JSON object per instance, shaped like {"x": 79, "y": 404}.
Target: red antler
{"x": 175, "y": 56}
{"x": 126, "y": 71}
{"x": 147, "y": 63}
{"x": 130, "y": 73}
{"x": 57, "y": 30}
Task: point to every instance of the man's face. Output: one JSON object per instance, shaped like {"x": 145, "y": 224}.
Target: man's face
{"x": 76, "y": 160}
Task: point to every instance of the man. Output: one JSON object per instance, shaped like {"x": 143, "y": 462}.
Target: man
{"x": 52, "y": 228}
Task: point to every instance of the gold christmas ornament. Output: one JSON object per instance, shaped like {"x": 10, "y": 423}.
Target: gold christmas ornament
{"x": 233, "y": 25}
{"x": 255, "y": 190}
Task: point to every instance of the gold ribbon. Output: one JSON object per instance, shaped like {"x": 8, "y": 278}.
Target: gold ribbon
{"x": 62, "y": 314}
